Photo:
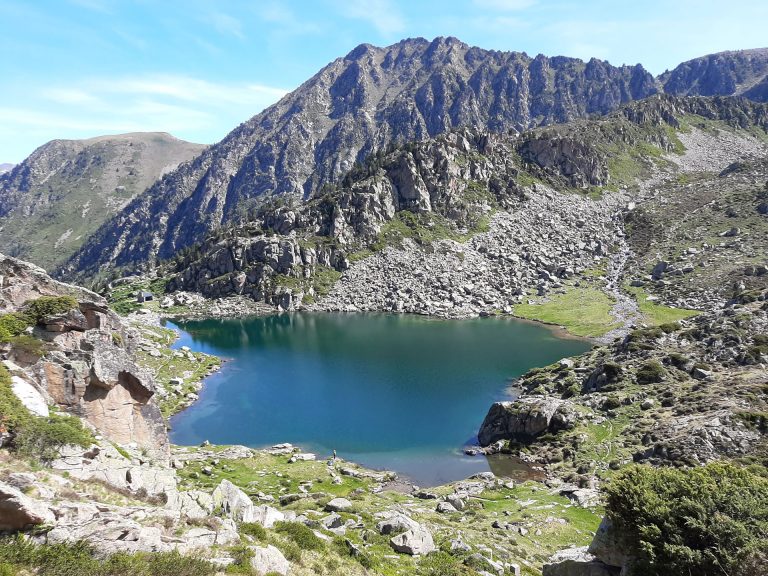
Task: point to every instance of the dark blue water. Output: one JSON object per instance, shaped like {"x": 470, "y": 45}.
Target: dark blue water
{"x": 402, "y": 393}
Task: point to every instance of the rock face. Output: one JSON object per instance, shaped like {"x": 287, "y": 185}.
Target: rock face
{"x": 740, "y": 73}
{"x": 17, "y": 512}
{"x": 66, "y": 189}
{"x": 523, "y": 419}
{"x": 85, "y": 366}
{"x": 358, "y": 104}
{"x": 233, "y": 502}
{"x": 577, "y": 562}
{"x": 417, "y": 541}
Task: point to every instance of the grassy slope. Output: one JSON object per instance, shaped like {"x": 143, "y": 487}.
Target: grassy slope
{"x": 583, "y": 311}
{"x": 98, "y": 176}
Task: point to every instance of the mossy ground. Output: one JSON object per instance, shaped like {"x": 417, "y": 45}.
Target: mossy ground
{"x": 549, "y": 521}
{"x": 657, "y": 314}
{"x": 582, "y": 311}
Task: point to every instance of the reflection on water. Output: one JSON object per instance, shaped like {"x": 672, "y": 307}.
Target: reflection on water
{"x": 402, "y": 393}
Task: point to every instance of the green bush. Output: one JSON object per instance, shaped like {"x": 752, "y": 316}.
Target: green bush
{"x": 649, "y": 372}
{"x": 443, "y": 564}
{"x": 708, "y": 521}
{"x": 77, "y": 559}
{"x": 28, "y": 344}
{"x": 35, "y": 437}
{"x": 302, "y": 535}
{"x": 12, "y": 325}
{"x": 254, "y": 530}
{"x": 49, "y": 305}
{"x": 13, "y": 414}
{"x": 41, "y": 438}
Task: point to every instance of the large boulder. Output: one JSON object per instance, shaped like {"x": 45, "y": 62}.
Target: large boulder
{"x": 267, "y": 516}
{"x": 19, "y": 512}
{"x": 268, "y": 560}
{"x": 523, "y": 419}
{"x": 605, "y": 545}
{"x": 109, "y": 533}
{"x": 417, "y": 541}
{"x": 338, "y": 505}
{"x": 233, "y": 502}
{"x": 577, "y": 562}
{"x": 395, "y": 523}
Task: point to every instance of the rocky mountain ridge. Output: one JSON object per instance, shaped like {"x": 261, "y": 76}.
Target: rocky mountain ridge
{"x": 366, "y": 101}
{"x": 490, "y": 219}
{"x": 733, "y": 73}
{"x": 356, "y": 105}
{"x": 54, "y": 200}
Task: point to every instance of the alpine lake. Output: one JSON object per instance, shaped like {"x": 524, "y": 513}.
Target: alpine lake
{"x": 394, "y": 392}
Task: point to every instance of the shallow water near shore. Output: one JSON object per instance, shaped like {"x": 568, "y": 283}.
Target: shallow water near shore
{"x": 402, "y": 393}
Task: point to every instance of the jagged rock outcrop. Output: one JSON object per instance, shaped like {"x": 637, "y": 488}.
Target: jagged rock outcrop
{"x": 437, "y": 193}
{"x": 524, "y": 419}
{"x": 738, "y": 73}
{"x": 84, "y": 362}
{"x": 62, "y": 193}
{"x": 358, "y": 104}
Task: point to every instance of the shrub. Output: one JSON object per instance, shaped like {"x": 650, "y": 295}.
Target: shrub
{"x": 41, "y": 438}
{"x": 27, "y": 344}
{"x": 77, "y": 560}
{"x": 13, "y": 413}
{"x": 649, "y": 372}
{"x": 443, "y": 564}
{"x": 12, "y": 325}
{"x": 706, "y": 521}
{"x": 300, "y": 534}
{"x": 670, "y": 327}
{"x": 49, "y": 305}
{"x": 254, "y": 530}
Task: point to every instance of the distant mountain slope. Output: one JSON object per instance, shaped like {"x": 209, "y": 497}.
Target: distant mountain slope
{"x": 6, "y": 167}
{"x": 736, "y": 73}
{"x": 373, "y": 96}
{"x": 56, "y": 198}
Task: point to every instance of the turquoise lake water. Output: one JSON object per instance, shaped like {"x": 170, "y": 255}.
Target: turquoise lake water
{"x": 402, "y": 393}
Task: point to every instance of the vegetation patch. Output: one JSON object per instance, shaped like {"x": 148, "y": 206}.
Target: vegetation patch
{"x": 19, "y": 556}
{"x": 657, "y": 314}
{"x": 709, "y": 520}
{"x": 582, "y": 311}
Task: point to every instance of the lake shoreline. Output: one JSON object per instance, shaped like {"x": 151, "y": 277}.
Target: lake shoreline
{"x": 373, "y": 461}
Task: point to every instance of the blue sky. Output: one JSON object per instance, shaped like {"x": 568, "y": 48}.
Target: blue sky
{"x": 197, "y": 68}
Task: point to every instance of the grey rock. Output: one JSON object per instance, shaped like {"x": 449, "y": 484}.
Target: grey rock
{"x": 577, "y": 562}
{"x": 396, "y": 522}
{"x": 268, "y": 559}
{"x": 233, "y": 502}
{"x": 417, "y": 541}
{"x": 339, "y": 505}
{"x": 605, "y": 545}
{"x": 522, "y": 419}
{"x": 19, "y": 512}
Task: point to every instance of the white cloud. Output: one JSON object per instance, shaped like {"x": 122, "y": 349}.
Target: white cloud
{"x": 226, "y": 24}
{"x": 173, "y": 87}
{"x": 381, "y": 14}
{"x": 504, "y": 5}
{"x": 188, "y": 107}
